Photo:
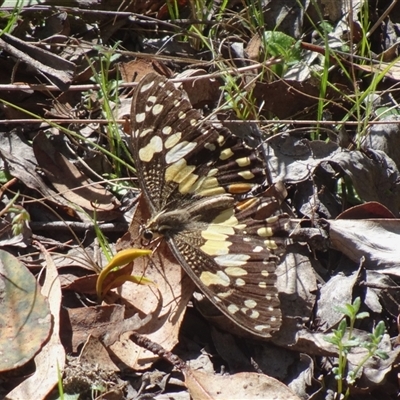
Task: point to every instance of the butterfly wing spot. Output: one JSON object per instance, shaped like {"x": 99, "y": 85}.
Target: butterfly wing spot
{"x": 173, "y": 139}
{"x": 240, "y": 282}
{"x": 236, "y": 271}
{"x": 144, "y": 87}
{"x": 243, "y": 162}
{"x": 225, "y": 154}
{"x": 147, "y": 152}
{"x": 253, "y": 314}
{"x": 179, "y": 152}
{"x": 140, "y": 117}
{"x": 233, "y": 308}
{"x": 250, "y": 303}
{"x": 258, "y": 249}
{"x": 270, "y": 244}
{"x": 265, "y": 232}
{"x": 232, "y": 260}
{"x": 246, "y": 175}
{"x": 219, "y": 278}
{"x": 157, "y": 109}
{"x": 166, "y": 130}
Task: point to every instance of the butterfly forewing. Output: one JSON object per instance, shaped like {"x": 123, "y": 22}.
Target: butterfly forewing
{"x": 193, "y": 177}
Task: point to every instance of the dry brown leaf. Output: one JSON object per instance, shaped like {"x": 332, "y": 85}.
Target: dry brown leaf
{"x": 107, "y": 322}
{"x": 375, "y": 239}
{"x": 71, "y": 183}
{"x": 25, "y": 321}
{"x": 135, "y": 69}
{"x": 52, "y": 356}
{"x": 94, "y": 352}
{"x": 243, "y": 386}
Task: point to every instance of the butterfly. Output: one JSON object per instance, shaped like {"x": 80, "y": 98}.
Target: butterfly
{"x": 197, "y": 180}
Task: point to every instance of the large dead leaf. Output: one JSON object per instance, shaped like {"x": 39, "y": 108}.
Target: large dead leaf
{"x": 71, "y": 183}
{"x": 52, "y": 357}
{"x": 377, "y": 240}
{"x": 243, "y": 386}
{"x": 25, "y": 320}
{"x": 106, "y": 322}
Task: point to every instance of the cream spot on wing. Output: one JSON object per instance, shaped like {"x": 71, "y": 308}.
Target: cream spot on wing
{"x": 186, "y": 185}
{"x": 221, "y": 229}
{"x": 270, "y": 244}
{"x": 209, "y": 182}
{"x": 240, "y": 282}
{"x": 147, "y": 152}
{"x": 157, "y": 109}
{"x": 179, "y": 151}
{"x": 183, "y": 173}
{"x": 233, "y": 308}
{"x": 261, "y": 328}
{"x": 243, "y": 161}
{"x": 235, "y": 271}
{"x": 140, "y": 117}
{"x": 215, "y": 248}
{"x": 146, "y": 87}
{"x": 258, "y": 249}
{"x": 254, "y": 314}
{"x": 219, "y": 278}
{"x": 211, "y": 192}
{"x": 166, "y": 130}
{"x": 226, "y": 217}
{"x": 224, "y": 295}
{"x": 181, "y": 115}
{"x": 264, "y": 232}
{"x": 262, "y": 285}
{"x": 225, "y": 154}
{"x": 264, "y": 273}
{"x": 173, "y": 140}
{"x": 272, "y": 220}
{"x": 213, "y": 235}
{"x": 246, "y": 174}
{"x": 250, "y": 303}
{"x": 145, "y": 132}
{"x": 232, "y": 260}
{"x": 212, "y": 172}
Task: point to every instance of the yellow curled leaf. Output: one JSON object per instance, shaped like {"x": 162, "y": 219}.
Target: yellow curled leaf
{"x": 121, "y": 258}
